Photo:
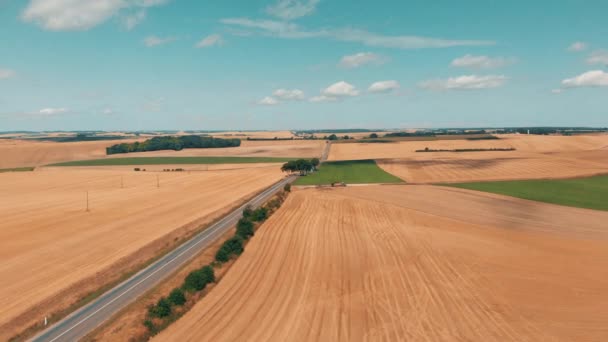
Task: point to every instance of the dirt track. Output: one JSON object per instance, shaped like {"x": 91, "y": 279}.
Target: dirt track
{"x": 535, "y": 157}
{"x": 49, "y": 243}
{"x": 415, "y": 263}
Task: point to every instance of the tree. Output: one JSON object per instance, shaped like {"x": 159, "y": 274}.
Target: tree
{"x": 260, "y": 214}
{"x": 332, "y": 137}
{"x": 161, "y": 309}
{"x": 208, "y": 274}
{"x": 234, "y": 245}
{"x": 287, "y": 187}
{"x": 315, "y": 162}
{"x": 373, "y": 136}
{"x": 244, "y": 228}
{"x": 177, "y": 297}
{"x": 247, "y": 211}
{"x": 195, "y": 281}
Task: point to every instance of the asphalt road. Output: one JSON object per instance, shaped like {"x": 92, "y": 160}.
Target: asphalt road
{"x": 81, "y": 322}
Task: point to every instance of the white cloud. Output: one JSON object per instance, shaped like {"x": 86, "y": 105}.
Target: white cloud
{"x": 130, "y": 21}
{"x": 480, "y": 62}
{"x": 340, "y": 89}
{"x": 211, "y": 40}
{"x": 593, "y": 78}
{"x": 577, "y": 47}
{"x": 67, "y": 15}
{"x": 557, "y": 91}
{"x": 6, "y": 74}
{"x": 292, "y": 9}
{"x": 467, "y": 82}
{"x": 384, "y": 87}
{"x": 152, "y": 41}
{"x": 598, "y": 57}
{"x": 322, "y": 98}
{"x": 287, "y": 30}
{"x": 361, "y": 59}
{"x": 289, "y": 94}
{"x": 52, "y": 111}
{"x": 268, "y": 101}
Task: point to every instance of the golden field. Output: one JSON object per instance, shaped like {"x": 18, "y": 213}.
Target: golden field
{"x": 412, "y": 263}
{"x": 53, "y": 251}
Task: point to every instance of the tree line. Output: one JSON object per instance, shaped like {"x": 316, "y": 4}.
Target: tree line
{"x": 173, "y": 143}
{"x": 165, "y": 310}
{"x": 302, "y": 166}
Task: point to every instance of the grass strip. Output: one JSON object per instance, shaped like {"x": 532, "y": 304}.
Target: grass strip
{"x": 350, "y": 172}
{"x": 589, "y": 192}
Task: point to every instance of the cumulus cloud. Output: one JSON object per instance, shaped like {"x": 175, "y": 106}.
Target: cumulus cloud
{"x": 211, "y": 40}
{"x": 593, "y": 78}
{"x": 288, "y": 30}
{"x": 361, "y": 59}
{"x": 335, "y": 92}
{"x": 6, "y": 74}
{"x": 340, "y": 89}
{"x": 152, "y": 41}
{"x": 577, "y": 47}
{"x": 598, "y": 57}
{"x": 481, "y": 62}
{"x": 68, "y": 15}
{"x": 467, "y": 82}
{"x": 384, "y": 87}
{"x": 289, "y": 94}
{"x": 268, "y": 101}
{"x": 292, "y": 9}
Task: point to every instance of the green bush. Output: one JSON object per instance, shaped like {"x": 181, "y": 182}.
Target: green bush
{"x": 195, "y": 281}
{"x": 150, "y": 325}
{"x": 260, "y": 214}
{"x": 161, "y": 309}
{"x": 247, "y": 212}
{"x": 287, "y": 187}
{"x": 234, "y": 245}
{"x": 177, "y": 297}
{"x": 244, "y": 228}
{"x": 208, "y": 274}
{"x": 222, "y": 255}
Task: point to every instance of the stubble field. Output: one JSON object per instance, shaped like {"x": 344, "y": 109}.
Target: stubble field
{"x": 535, "y": 157}
{"x": 49, "y": 244}
{"x": 412, "y": 263}
{"x": 20, "y": 153}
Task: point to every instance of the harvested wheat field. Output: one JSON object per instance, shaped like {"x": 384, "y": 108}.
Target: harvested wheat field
{"x": 412, "y": 263}
{"x": 19, "y": 153}
{"x": 535, "y": 157}
{"x": 49, "y": 243}
{"x": 248, "y": 148}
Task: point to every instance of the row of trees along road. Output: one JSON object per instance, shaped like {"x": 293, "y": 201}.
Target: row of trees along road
{"x": 303, "y": 166}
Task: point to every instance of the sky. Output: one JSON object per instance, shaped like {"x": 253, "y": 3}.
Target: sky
{"x": 301, "y": 64}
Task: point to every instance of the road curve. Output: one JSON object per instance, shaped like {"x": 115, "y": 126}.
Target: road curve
{"x": 84, "y": 320}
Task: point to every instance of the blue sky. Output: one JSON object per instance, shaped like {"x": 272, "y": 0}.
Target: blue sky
{"x": 288, "y": 64}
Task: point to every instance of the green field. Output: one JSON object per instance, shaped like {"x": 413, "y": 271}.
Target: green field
{"x": 17, "y": 169}
{"x": 350, "y": 172}
{"x": 172, "y": 161}
{"x": 590, "y": 193}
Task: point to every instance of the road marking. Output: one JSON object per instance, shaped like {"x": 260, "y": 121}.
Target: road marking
{"x": 209, "y": 232}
